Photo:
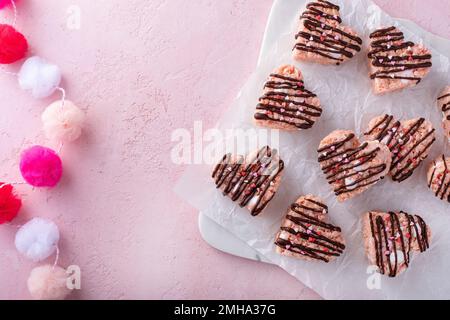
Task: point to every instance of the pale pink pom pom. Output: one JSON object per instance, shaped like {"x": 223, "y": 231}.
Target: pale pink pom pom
{"x": 63, "y": 122}
{"x": 48, "y": 283}
{"x": 41, "y": 167}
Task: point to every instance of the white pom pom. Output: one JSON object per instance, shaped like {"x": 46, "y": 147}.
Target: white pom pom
{"x": 39, "y": 77}
{"x": 63, "y": 122}
{"x": 37, "y": 239}
{"x": 48, "y": 283}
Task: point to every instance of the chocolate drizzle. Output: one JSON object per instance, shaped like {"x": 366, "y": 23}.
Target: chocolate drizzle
{"x": 248, "y": 182}
{"x": 384, "y": 44}
{"x": 393, "y": 233}
{"x": 321, "y": 34}
{"x": 438, "y": 180}
{"x": 444, "y": 96}
{"x": 348, "y": 168}
{"x": 446, "y": 107}
{"x": 308, "y": 234}
{"x": 387, "y": 129}
{"x": 287, "y": 101}
{"x": 444, "y": 104}
{"x": 408, "y": 149}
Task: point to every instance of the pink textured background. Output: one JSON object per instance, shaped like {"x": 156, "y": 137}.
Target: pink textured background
{"x": 141, "y": 69}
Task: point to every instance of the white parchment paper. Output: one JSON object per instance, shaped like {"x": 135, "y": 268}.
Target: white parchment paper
{"x": 345, "y": 94}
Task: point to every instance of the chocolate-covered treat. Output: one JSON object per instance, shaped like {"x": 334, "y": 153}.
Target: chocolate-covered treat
{"x": 444, "y": 106}
{"x": 286, "y": 104}
{"x": 409, "y": 141}
{"x": 321, "y": 37}
{"x": 394, "y": 63}
{"x": 390, "y": 238}
{"x": 352, "y": 167}
{"x": 250, "y": 181}
{"x": 306, "y": 233}
{"x": 438, "y": 178}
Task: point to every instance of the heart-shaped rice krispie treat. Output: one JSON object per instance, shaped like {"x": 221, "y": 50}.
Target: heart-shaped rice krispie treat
{"x": 321, "y": 37}
{"x": 391, "y": 237}
{"x": 352, "y": 167}
{"x": 250, "y": 181}
{"x": 286, "y": 104}
{"x": 409, "y": 141}
{"x": 438, "y": 178}
{"x": 444, "y": 105}
{"x": 395, "y": 63}
{"x": 306, "y": 232}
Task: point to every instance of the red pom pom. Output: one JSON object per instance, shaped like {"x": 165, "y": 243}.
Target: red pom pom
{"x": 13, "y": 45}
{"x": 10, "y": 203}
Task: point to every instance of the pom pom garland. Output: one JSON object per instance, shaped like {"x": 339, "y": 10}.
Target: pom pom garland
{"x": 48, "y": 283}
{"x": 41, "y": 167}
{"x": 37, "y": 239}
{"x": 39, "y": 77}
{"x": 10, "y": 203}
{"x": 13, "y": 45}
{"x": 63, "y": 121}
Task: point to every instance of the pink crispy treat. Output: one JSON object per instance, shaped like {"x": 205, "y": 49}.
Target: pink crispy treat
{"x": 444, "y": 106}
{"x": 321, "y": 38}
{"x": 352, "y": 167}
{"x": 438, "y": 177}
{"x": 306, "y": 233}
{"x": 410, "y": 142}
{"x": 286, "y": 104}
{"x": 251, "y": 181}
{"x": 390, "y": 238}
{"x": 394, "y": 63}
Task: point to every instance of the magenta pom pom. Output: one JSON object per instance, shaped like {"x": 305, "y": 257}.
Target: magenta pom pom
{"x": 41, "y": 167}
{"x": 4, "y": 3}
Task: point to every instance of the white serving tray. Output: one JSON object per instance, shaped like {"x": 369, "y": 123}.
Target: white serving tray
{"x": 222, "y": 239}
